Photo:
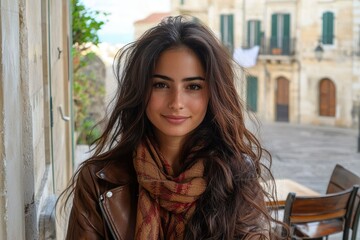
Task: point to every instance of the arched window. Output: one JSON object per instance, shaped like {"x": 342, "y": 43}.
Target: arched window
{"x": 327, "y": 95}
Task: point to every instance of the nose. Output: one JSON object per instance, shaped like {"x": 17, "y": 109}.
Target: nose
{"x": 176, "y": 100}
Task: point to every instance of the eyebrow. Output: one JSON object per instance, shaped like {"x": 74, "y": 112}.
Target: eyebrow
{"x": 170, "y": 79}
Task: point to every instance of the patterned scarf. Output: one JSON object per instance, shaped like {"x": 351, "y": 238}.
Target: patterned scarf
{"x": 165, "y": 203}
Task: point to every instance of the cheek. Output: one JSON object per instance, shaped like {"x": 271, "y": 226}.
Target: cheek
{"x": 200, "y": 106}
{"x": 153, "y": 105}
{"x": 204, "y": 103}
{"x": 153, "y": 101}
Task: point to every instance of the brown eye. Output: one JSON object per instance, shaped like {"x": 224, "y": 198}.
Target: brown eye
{"x": 159, "y": 85}
{"x": 194, "y": 87}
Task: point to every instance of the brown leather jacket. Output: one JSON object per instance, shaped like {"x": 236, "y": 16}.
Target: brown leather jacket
{"x": 105, "y": 202}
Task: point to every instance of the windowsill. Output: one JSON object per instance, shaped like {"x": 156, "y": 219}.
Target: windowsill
{"x": 329, "y": 46}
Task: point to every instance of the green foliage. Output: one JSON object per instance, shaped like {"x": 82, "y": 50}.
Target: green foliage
{"x": 89, "y": 133}
{"x": 85, "y": 24}
{"x": 86, "y": 88}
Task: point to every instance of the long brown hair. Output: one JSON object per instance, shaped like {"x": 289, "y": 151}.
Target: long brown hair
{"x": 233, "y": 204}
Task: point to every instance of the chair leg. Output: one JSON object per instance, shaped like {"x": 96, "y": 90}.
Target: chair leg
{"x": 355, "y": 224}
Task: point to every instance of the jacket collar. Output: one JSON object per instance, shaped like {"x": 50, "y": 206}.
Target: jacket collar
{"x": 118, "y": 172}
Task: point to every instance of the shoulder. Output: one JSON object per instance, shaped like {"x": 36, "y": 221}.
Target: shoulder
{"x": 115, "y": 171}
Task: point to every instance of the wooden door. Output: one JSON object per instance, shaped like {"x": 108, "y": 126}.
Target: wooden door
{"x": 282, "y": 100}
{"x": 327, "y": 94}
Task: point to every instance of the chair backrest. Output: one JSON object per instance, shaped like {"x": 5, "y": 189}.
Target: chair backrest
{"x": 341, "y": 179}
{"x": 315, "y": 217}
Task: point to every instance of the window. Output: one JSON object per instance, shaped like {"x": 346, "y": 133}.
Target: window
{"x": 227, "y": 30}
{"x": 328, "y": 28}
{"x": 253, "y": 33}
{"x": 251, "y": 93}
{"x": 280, "y": 33}
{"x": 327, "y": 95}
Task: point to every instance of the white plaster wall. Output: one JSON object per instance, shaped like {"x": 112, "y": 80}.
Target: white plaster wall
{"x": 36, "y": 86}
{"x": 12, "y": 197}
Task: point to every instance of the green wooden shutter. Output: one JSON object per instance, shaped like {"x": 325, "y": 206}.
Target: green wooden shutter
{"x": 231, "y": 32}
{"x": 286, "y": 25}
{"x": 251, "y": 93}
{"x": 328, "y": 28}
{"x": 274, "y": 30}
{"x": 227, "y": 30}
{"x": 253, "y": 32}
{"x": 249, "y": 34}
{"x": 286, "y": 32}
{"x": 331, "y": 28}
{"x": 222, "y": 22}
{"x": 258, "y": 33}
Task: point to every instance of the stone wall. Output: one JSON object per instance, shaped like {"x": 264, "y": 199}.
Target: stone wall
{"x": 29, "y": 125}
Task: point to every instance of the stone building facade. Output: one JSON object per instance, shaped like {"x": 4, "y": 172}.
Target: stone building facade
{"x": 288, "y": 82}
{"x": 35, "y": 131}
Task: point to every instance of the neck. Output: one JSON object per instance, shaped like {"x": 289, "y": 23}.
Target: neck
{"x": 170, "y": 149}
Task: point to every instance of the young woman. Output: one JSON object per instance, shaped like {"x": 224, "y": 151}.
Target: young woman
{"x": 175, "y": 160}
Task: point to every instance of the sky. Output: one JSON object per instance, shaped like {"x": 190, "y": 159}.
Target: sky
{"x": 119, "y": 27}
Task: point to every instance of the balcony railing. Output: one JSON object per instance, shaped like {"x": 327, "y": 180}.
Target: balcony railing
{"x": 277, "y": 46}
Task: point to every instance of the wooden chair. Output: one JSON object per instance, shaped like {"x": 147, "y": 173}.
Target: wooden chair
{"x": 341, "y": 179}
{"x": 316, "y": 217}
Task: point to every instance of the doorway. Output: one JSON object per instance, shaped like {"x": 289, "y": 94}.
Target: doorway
{"x": 282, "y": 100}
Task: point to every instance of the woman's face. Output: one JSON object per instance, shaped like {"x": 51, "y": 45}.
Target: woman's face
{"x": 179, "y": 95}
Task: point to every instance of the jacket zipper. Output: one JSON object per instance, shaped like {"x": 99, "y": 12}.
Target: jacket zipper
{"x": 101, "y": 200}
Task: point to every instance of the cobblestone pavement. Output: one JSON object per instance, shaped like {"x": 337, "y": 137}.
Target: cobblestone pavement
{"x": 308, "y": 154}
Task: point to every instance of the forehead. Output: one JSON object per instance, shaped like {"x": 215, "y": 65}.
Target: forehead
{"x": 179, "y": 60}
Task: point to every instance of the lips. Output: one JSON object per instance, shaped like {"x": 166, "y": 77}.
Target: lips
{"x": 175, "y": 119}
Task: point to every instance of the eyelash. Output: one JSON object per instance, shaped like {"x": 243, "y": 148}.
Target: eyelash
{"x": 160, "y": 85}
{"x": 194, "y": 87}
